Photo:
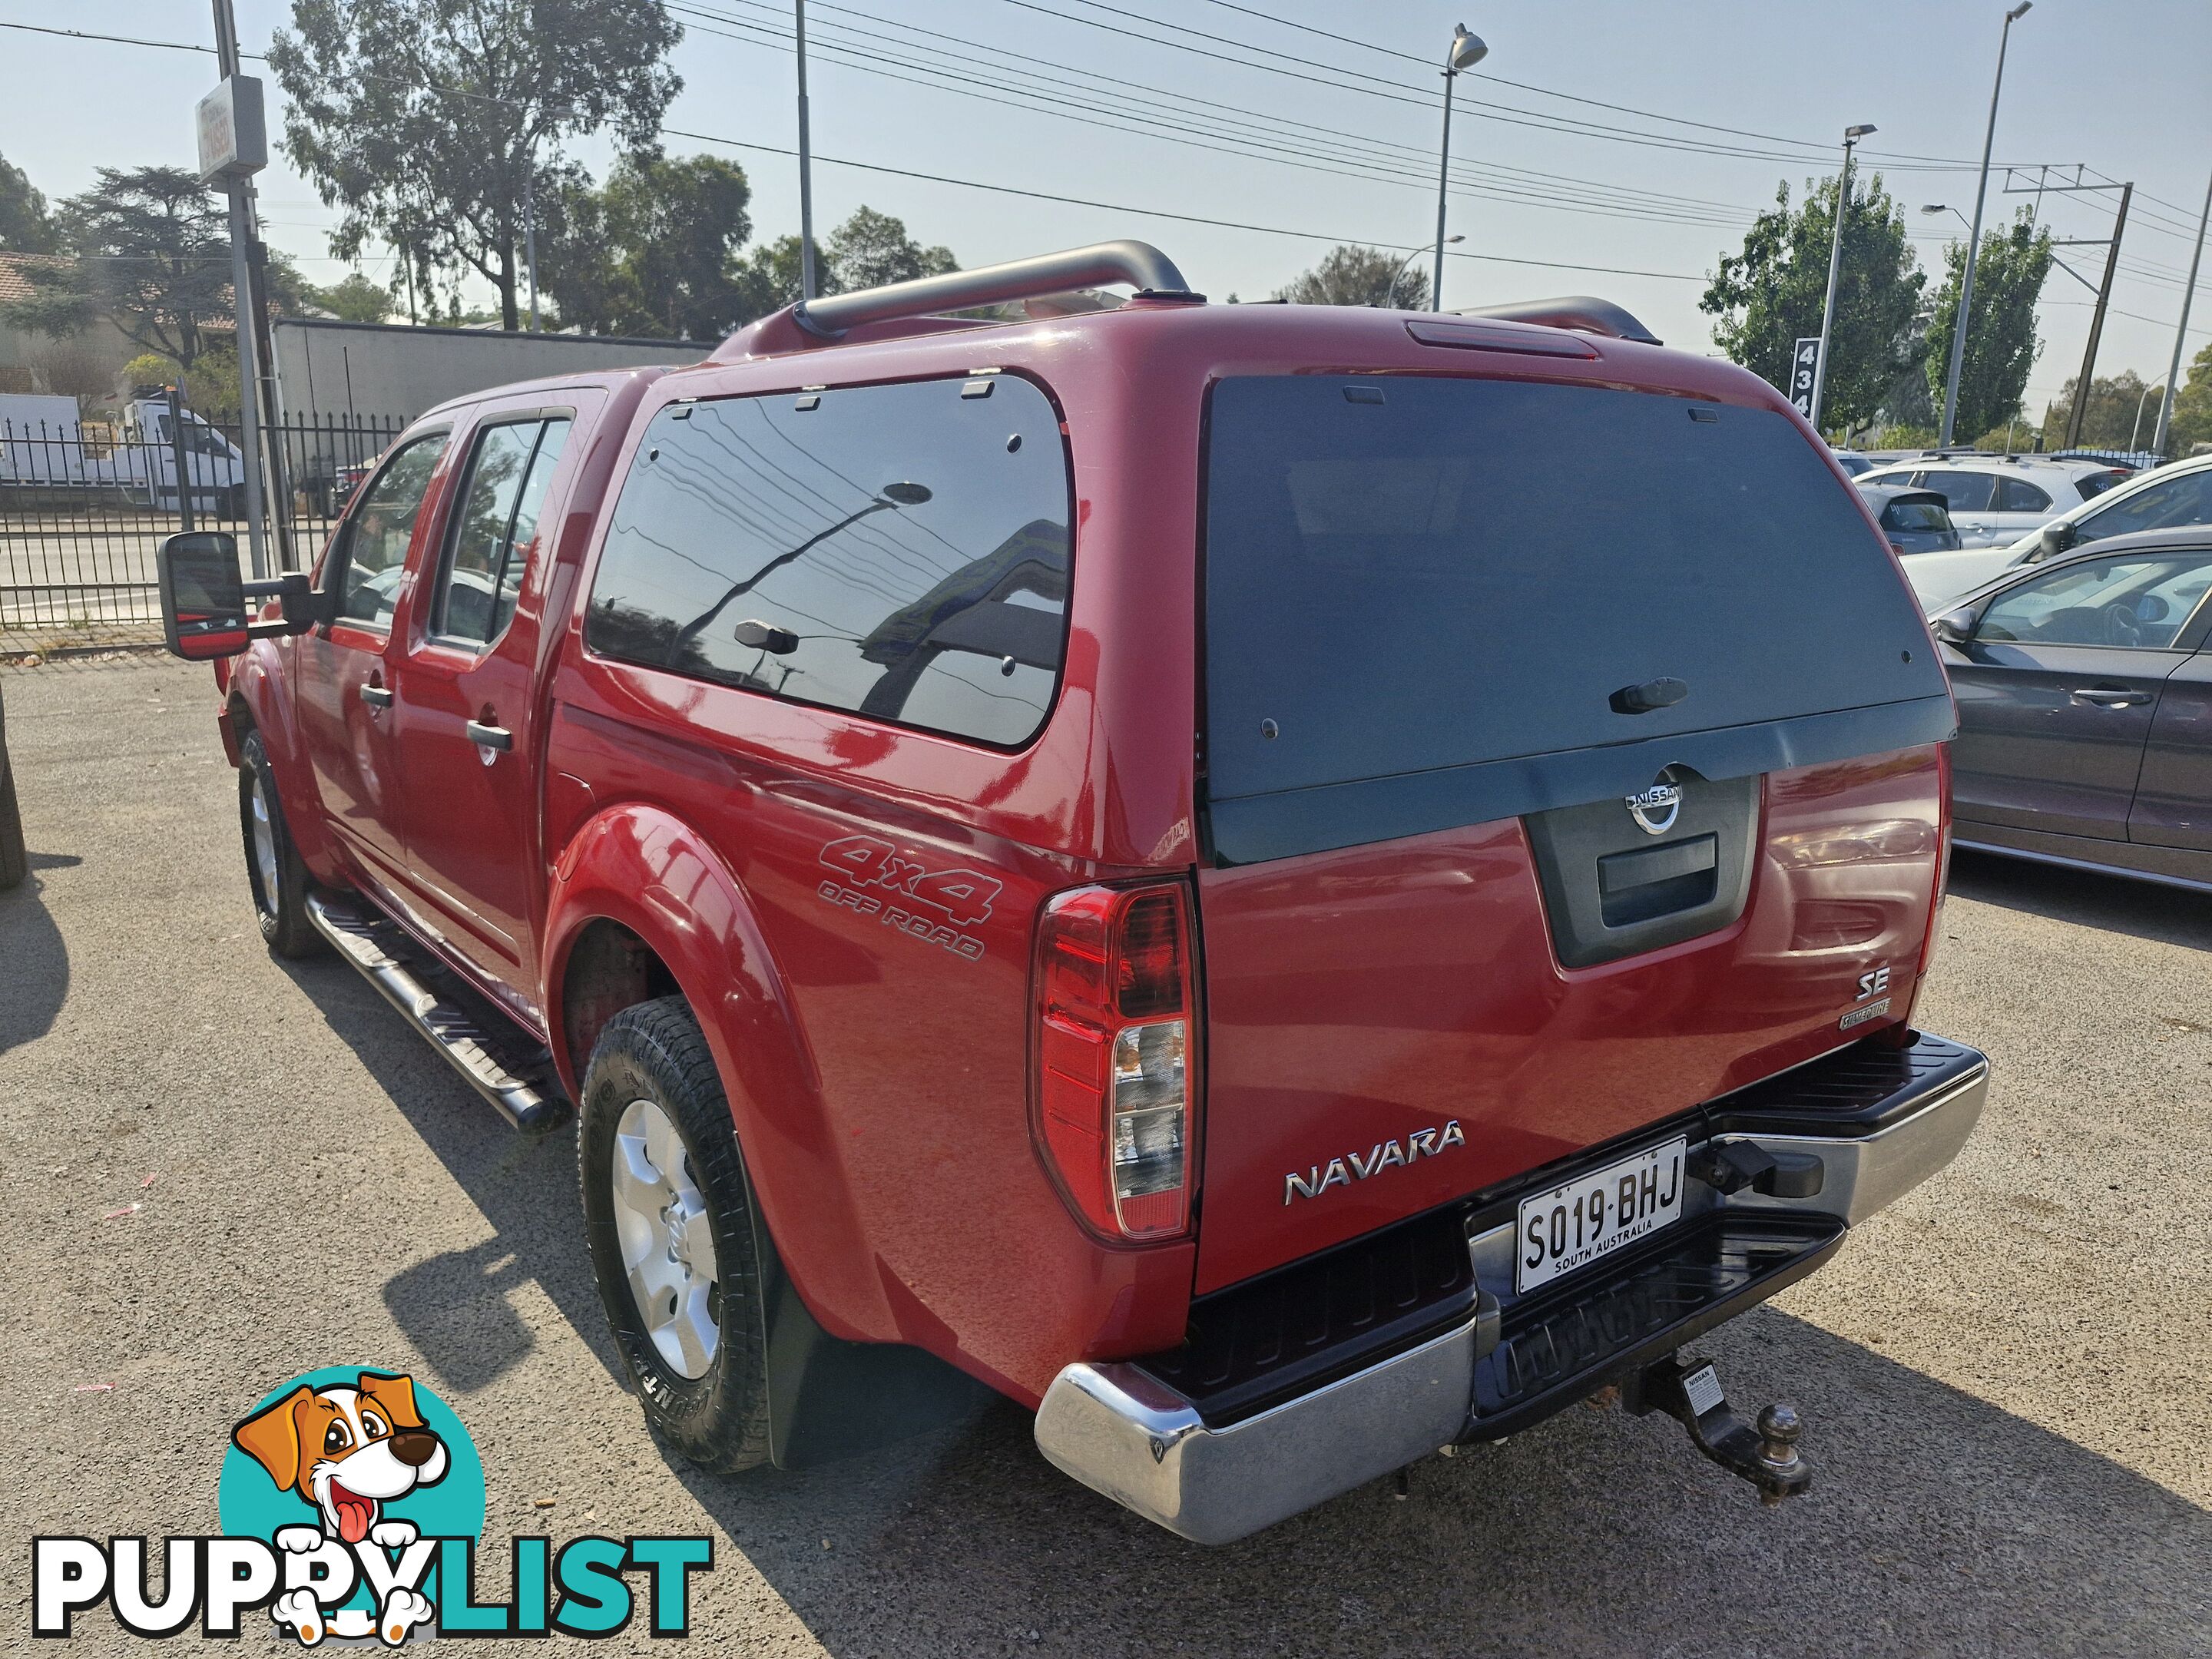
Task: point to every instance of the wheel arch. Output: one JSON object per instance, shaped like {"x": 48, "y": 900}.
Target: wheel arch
{"x": 640, "y": 898}
{"x": 258, "y": 699}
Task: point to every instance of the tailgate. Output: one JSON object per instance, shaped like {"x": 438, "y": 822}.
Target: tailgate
{"x": 1571, "y": 757}
{"x": 1361, "y": 1001}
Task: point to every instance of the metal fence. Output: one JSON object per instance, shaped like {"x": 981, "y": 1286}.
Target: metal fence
{"x": 83, "y": 505}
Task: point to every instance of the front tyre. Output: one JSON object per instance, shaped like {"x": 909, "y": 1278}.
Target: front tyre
{"x": 668, "y": 1215}
{"x": 274, "y": 869}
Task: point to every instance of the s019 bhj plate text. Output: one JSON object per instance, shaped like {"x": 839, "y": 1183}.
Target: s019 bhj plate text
{"x": 1588, "y": 1218}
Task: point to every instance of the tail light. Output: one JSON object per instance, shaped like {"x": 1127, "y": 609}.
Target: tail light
{"x": 1114, "y": 1070}
{"x": 1904, "y": 1024}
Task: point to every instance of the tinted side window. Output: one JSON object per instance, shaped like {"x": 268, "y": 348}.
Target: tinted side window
{"x": 380, "y": 529}
{"x": 1915, "y": 515}
{"x": 492, "y": 533}
{"x": 2140, "y": 602}
{"x": 898, "y": 551}
{"x": 2018, "y": 496}
{"x": 2166, "y": 506}
{"x": 1967, "y": 492}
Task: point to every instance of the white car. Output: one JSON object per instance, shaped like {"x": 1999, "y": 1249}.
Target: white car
{"x": 2165, "y": 498}
{"x": 1994, "y": 500}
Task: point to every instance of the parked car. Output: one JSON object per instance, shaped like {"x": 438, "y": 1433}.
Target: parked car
{"x": 1513, "y": 981}
{"x": 2175, "y": 494}
{"x": 1916, "y": 522}
{"x": 14, "y": 861}
{"x": 1853, "y": 462}
{"x": 2085, "y": 708}
{"x": 1993, "y": 500}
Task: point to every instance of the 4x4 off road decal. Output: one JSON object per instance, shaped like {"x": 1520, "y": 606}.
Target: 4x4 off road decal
{"x": 351, "y": 1503}
{"x": 880, "y": 881}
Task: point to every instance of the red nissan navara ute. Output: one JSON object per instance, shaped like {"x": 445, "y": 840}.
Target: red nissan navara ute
{"x": 1290, "y": 888}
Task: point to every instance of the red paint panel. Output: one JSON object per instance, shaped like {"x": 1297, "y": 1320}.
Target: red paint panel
{"x": 1360, "y": 996}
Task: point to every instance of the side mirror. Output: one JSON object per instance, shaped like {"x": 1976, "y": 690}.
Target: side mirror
{"x": 204, "y": 612}
{"x": 1954, "y": 627}
{"x": 2050, "y": 541}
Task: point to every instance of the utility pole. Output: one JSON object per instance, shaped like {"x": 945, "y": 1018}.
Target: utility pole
{"x": 1974, "y": 237}
{"x": 234, "y": 146}
{"x": 1852, "y": 136}
{"x": 1465, "y": 52}
{"x": 2181, "y": 328}
{"x": 807, "y": 284}
{"x": 2097, "y": 323}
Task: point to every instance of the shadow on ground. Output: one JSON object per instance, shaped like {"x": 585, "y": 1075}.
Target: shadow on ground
{"x": 1939, "y": 1523}
{"x": 2170, "y": 916}
{"x": 34, "y": 965}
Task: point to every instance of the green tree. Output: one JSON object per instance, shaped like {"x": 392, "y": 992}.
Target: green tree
{"x": 429, "y": 121}
{"x": 2122, "y": 413}
{"x": 25, "y": 226}
{"x": 868, "y": 250}
{"x": 354, "y": 300}
{"x": 2001, "y": 340}
{"x": 150, "y": 251}
{"x": 1772, "y": 293}
{"x": 654, "y": 251}
{"x": 1353, "y": 276}
{"x": 2192, "y": 408}
{"x": 209, "y": 386}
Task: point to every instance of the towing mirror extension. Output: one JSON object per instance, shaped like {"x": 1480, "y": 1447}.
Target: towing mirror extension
{"x": 205, "y": 610}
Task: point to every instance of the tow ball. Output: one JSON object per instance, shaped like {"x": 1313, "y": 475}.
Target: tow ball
{"x": 1691, "y": 1393}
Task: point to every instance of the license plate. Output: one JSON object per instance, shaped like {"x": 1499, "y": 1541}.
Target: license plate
{"x": 1588, "y": 1218}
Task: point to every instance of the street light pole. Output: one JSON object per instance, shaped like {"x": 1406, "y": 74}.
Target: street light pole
{"x": 2181, "y": 328}
{"x": 807, "y": 284}
{"x": 1852, "y": 136}
{"x": 1974, "y": 236}
{"x": 1390, "y": 294}
{"x": 1467, "y": 51}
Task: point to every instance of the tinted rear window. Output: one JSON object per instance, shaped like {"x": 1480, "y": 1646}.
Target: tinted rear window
{"x": 898, "y": 551}
{"x": 1915, "y": 515}
{"x": 1467, "y": 570}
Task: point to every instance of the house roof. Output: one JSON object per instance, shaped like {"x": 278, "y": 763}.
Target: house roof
{"x": 15, "y": 286}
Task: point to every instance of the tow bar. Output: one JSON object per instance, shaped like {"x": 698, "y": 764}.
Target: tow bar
{"x": 1691, "y": 1393}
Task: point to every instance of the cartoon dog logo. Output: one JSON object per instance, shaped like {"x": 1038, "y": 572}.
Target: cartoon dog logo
{"x": 347, "y": 1452}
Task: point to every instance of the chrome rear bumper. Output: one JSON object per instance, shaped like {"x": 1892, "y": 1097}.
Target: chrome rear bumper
{"x": 1121, "y": 1430}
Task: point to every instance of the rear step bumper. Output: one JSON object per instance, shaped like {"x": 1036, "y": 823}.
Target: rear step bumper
{"x": 494, "y": 1058}
{"x": 1213, "y": 1455}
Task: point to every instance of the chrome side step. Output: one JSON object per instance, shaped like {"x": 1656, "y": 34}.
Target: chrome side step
{"x": 498, "y": 1060}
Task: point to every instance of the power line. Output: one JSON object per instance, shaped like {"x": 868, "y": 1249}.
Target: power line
{"x": 1061, "y": 105}
{"x": 1162, "y": 212}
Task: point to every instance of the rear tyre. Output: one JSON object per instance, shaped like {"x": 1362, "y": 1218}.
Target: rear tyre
{"x": 274, "y": 869}
{"x": 14, "y": 861}
{"x": 668, "y": 1215}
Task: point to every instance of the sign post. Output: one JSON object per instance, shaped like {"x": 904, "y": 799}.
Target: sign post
{"x": 1804, "y": 373}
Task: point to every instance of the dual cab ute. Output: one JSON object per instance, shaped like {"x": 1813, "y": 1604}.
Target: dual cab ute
{"x": 1263, "y": 881}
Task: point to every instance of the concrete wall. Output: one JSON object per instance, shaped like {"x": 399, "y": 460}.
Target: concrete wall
{"x": 396, "y": 372}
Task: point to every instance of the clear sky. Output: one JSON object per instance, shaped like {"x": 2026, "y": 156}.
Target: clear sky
{"x": 1283, "y": 129}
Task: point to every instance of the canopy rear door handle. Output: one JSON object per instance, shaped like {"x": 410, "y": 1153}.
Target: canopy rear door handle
{"x": 490, "y": 736}
{"x": 376, "y": 696}
{"x": 2110, "y": 696}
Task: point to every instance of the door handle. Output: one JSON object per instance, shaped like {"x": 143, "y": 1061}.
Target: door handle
{"x": 376, "y": 696}
{"x": 2110, "y": 696}
{"x": 490, "y": 736}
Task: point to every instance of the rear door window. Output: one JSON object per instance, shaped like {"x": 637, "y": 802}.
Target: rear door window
{"x": 492, "y": 533}
{"x": 899, "y": 552}
{"x": 1967, "y": 492}
{"x": 1404, "y": 574}
{"x": 2018, "y": 496}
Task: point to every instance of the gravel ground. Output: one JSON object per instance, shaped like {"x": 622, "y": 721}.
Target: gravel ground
{"x": 2004, "y": 1377}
